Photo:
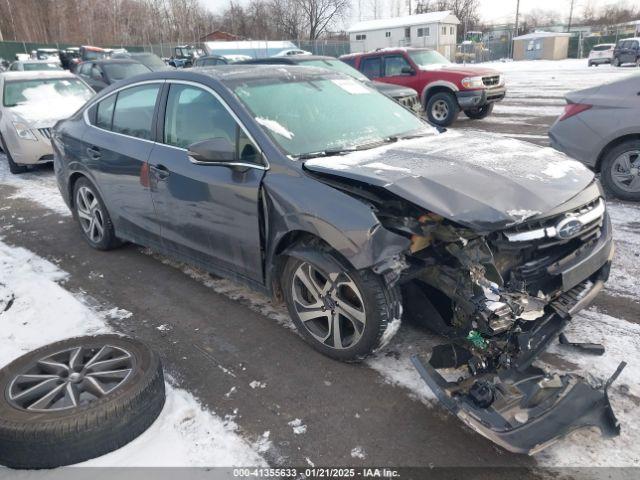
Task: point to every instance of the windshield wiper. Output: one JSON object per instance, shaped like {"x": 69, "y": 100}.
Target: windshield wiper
{"x": 343, "y": 151}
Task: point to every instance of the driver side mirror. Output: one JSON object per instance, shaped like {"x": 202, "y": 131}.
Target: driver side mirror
{"x": 408, "y": 71}
{"x": 214, "y": 150}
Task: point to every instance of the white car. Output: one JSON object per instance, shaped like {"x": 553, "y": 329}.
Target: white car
{"x": 30, "y": 104}
{"x": 292, "y": 51}
{"x": 602, "y": 53}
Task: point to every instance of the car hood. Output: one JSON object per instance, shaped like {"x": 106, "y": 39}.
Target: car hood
{"x": 483, "y": 181}
{"x": 462, "y": 70}
{"x": 394, "y": 91}
{"x": 45, "y": 115}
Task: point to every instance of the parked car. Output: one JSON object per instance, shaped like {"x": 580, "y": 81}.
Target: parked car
{"x": 296, "y": 181}
{"x": 602, "y": 53}
{"x": 31, "y": 103}
{"x": 210, "y": 61}
{"x": 403, "y": 95}
{"x": 600, "y": 127}
{"x": 100, "y": 74}
{"x": 89, "y": 52}
{"x": 235, "y": 58}
{"x": 148, "y": 59}
{"x": 291, "y": 52}
{"x": 50, "y": 54}
{"x": 70, "y": 57}
{"x": 34, "y": 65}
{"x": 445, "y": 88}
{"x": 627, "y": 51}
{"x": 184, "y": 55}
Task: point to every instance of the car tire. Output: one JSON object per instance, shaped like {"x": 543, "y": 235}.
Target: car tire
{"x": 89, "y": 207}
{"x": 13, "y": 166}
{"x": 363, "y": 291}
{"x": 442, "y": 109}
{"x": 480, "y": 112}
{"x": 590, "y": 64}
{"x": 82, "y": 421}
{"x": 616, "y": 62}
{"x": 619, "y": 166}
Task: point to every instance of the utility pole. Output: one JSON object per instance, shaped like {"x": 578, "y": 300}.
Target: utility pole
{"x": 570, "y": 16}
{"x": 515, "y": 33}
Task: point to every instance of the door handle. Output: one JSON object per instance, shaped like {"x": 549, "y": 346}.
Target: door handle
{"x": 160, "y": 171}
{"x": 94, "y": 152}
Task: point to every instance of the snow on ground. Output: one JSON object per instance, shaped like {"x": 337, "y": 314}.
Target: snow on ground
{"x": 38, "y": 185}
{"x": 42, "y": 312}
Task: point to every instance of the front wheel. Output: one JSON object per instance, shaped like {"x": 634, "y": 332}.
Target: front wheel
{"x": 345, "y": 314}
{"x": 616, "y": 62}
{"x": 442, "y": 109}
{"x": 480, "y": 112}
{"x": 620, "y": 171}
{"x": 13, "y": 166}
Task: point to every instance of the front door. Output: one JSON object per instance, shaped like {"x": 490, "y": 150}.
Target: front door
{"x": 120, "y": 143}
{"x": 208, "y": 213}
{"x": 397, "y": 70}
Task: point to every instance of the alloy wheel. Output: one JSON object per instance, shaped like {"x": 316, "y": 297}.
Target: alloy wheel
{"x": 90, "y": 214}
{"x": 70, "y": 378}
{"x": 330, "y": 306}
{"x": 625, "y": 171}
{"x": 440, "y": 110}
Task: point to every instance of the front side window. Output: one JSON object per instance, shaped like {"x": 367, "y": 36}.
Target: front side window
{"x": 332, "y": 112}
{"x": 393, "y": 65}
{"x": 133, "y": 114}
{"x": 371, "y": 67}
{"x": 427, "y": 58}
{"x": 194, "y": 115}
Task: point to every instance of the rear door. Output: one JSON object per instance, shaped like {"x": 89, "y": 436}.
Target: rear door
{"x": 118, "y": 147}
{"x": 209, "y": 213}
{"x": 371, "y": 67}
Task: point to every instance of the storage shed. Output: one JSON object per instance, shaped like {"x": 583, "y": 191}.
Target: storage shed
{"x": 541, "y": 46}
{"x": 437, "y": 30}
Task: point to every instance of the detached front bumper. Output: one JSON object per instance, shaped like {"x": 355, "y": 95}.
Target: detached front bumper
{"x": 521, "y": 407}
{"x": 478, "y": 98}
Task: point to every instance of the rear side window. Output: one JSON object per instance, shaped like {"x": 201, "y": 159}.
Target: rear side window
{"x": 104, "y": 114}
{"x": 133, "y": 114}
{"x": 350, "y": 61}
{"x": 371, "y": 67}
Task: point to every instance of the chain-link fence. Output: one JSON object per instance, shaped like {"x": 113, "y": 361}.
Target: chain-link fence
{"x": 8, "y": 50}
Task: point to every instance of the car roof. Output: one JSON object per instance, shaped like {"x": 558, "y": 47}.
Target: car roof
{"x": 293, "y": 60}
{"x": 385, "y": 50}
{"x": 627, "y": 39}
{"x": 217, "y": 57}
{"x": 37, "y": 74}
{"x": 112, "y": 60}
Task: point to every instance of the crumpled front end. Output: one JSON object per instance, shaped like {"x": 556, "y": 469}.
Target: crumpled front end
{"x": 500, "y": 298}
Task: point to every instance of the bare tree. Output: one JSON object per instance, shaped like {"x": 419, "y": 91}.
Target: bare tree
{"x": 320, "y": 15}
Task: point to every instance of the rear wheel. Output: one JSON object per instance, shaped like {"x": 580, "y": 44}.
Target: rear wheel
{"x": 620, "y": 171}
{"x": 480, "y": 112}
{"x": 92, "y": 215}
{"x": 343, "y": 315}
{"x": 616, "y": 62}
{"x": 442, "y": 109}
{"x": 13, "y": 167}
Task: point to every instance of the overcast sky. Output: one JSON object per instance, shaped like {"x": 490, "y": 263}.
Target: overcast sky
{"x": 498, "y": 11}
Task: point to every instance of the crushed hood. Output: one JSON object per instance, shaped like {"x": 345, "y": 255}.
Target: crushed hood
{"x": 483, "y": 181}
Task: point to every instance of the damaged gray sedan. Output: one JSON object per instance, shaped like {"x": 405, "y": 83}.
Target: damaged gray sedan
{"x": 315, "y": 189}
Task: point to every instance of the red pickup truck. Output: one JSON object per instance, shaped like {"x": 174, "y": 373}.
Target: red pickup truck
{"x": 445, "y": 88}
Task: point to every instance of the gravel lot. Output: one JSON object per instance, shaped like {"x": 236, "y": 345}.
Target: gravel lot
{"x": 226, "y": 346}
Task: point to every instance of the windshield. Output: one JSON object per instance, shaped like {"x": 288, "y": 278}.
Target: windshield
{"x": 324, "y": 115}
{"x": 21, "y": 92}
{"x": 150, "y": 60}
{"x": 338, "y": 66}
{"x": 94, "y": 55}
{"x": 120, "y": 71}
{"x": 32, "y": 67}
{"x": 426, "y": 58}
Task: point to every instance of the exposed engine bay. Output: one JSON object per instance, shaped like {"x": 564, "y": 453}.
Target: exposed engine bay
{"x": 498, "y": 298}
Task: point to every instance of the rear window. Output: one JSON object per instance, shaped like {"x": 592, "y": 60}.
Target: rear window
{"x": 600, "y": 48}
{"x": 32, "y": 67}
{"x": 21, "y": 92}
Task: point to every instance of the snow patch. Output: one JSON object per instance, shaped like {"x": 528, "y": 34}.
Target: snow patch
{"x": 358, "y": 452}
{"x": 256, "y": 384}
{"x": 298, "y": 427}
{"x": 275, "y": 127}
{"x": 185, "y": 434}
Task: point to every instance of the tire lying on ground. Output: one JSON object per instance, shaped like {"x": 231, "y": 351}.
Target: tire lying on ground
{"x": 77, "y": 399}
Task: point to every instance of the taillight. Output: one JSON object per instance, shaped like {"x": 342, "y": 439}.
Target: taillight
{"x": 572, "y": 109}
